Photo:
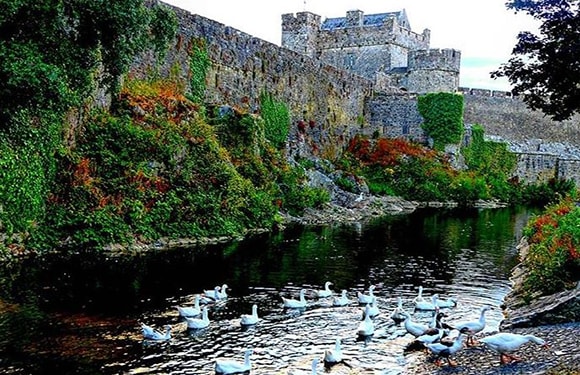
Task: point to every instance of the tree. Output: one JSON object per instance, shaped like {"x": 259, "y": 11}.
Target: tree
{"x": 545, "y": 69}
{"x": 50, "y": 50}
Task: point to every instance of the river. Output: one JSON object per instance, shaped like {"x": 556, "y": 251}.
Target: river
{"x": 81, "y": 314}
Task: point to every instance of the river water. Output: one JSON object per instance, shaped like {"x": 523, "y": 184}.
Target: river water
{"x": 81, "y": 314}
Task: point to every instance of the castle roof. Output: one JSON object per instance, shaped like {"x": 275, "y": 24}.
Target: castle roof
{"x": 368, "y": 20}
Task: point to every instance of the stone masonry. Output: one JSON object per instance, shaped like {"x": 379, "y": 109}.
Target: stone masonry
{"x": 381, "y": 47}
{"x": 339, "y": 80}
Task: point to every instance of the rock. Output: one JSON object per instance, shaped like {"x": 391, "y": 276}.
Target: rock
{"x": 562, "y": 307}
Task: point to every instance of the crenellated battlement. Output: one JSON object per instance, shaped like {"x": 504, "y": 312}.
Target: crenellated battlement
{"x": 374, "y": 46}
{"x": 485, "y": 92}
{"x": 435, "y": 59}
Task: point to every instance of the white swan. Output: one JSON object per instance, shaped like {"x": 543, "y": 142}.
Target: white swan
{"x": 473, "y": 327}
{"x": 419, "y": 296}
{"x": 366, "y": 327}
{"x": 446, "y": 351}
{"x": 250, "y": 319}
{"x": 218, "y": 293}
{"x": 188, "y": 311}
{"x": 315, "y": 362}
{"x": 230, "y": 366}
{"x": 366, "y": 298}
{"x": 415, "y": 328}
{"x": 342, "y": 300}
{"x": 295, "y": 303}
{"x": 223, "y": 294}
{"x": 373, "y": 308}
{"x": 422, "y": 304}
{"x": 326, "y": 292}
{"x": 448, "y": 302}
{"x": 150, "y": 333}
{"x": 210, "y": 296}
{"x": 505, "y": 343}
{"x": 398, "y": 314}
{"x": 198, "y": 323}
{"x": 333, "y": 355}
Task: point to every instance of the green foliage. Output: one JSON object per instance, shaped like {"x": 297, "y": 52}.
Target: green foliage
{"x": 168, "y": 173}
{"x": 346, "y": 184}
{"x": 546, "y": 193}
{"x": 488, "y": 157}
{"x": 199, "y": 64}
{"x": 50, "y": 51}
{"x": 553, "y": 260}
{"x": 414, "y": 172}
{"x": 443, "y": 115}
{"x": 27, "y": 169}
{"x": 493, "y": 163}
{"x": 51, "y": 54}
{"x": 277, "y": 118}
{"x": 163, "y": 26}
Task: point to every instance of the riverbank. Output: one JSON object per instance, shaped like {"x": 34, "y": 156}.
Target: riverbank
{"x": 562, "y": 357}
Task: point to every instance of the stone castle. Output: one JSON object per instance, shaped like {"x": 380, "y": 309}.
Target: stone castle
{"x": 360, "y": 74}
{"x": 380, "y": 47}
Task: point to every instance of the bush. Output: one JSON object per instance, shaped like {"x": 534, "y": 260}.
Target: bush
{"x": 553, "y": 259}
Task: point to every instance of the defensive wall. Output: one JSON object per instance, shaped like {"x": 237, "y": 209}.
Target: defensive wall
{"x": 330, "y": 101}
{"x": 329, "y": 105}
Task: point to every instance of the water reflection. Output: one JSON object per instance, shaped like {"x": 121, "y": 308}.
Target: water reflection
{"x": 92, "y": 307}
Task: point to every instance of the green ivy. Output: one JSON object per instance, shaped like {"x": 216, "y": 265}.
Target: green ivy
{"x": 27, "y": 170}
{"x": 163, "y": 26}
{"x": 277, "y": 118}
{"x": 199, "y": 64}
{"x": 443, "y": 117}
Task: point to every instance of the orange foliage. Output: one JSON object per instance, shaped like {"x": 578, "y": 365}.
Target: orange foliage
{"x": 82, "y": 173}
{"x": 385, "y": 151}
{"x": 542, "y": 225}
{"x": 143, "y": 182}
{"x": 148, "y": 96}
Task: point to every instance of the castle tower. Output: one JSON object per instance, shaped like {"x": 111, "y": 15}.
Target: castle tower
{"x": 433, "y": 70}
{"x": 380, "y": 47}
{"x": 300, "y": 33}
{"x": 354, "y": 18}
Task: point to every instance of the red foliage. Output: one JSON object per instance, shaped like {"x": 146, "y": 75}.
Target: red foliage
{"x": 82, "y": 173}
{"x": 385, "y": 151}
{"x": 541, "y": 225}
{"x": 148, "y": 97}
{"x": 301, "y": 126}
{"x": 143, "y": 182}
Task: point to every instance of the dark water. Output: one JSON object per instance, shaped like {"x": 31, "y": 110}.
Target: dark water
{"x": 82, "y": 315}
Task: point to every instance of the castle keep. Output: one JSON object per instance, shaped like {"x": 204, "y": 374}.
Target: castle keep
{"x": 380, "y": 47}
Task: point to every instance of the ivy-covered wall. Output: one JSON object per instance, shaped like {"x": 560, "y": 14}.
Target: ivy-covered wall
{"x": 324, "y": 102}
{"x": 327, "y": 106}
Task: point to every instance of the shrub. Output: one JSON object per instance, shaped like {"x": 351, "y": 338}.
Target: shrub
{"x": 553, "y": 259}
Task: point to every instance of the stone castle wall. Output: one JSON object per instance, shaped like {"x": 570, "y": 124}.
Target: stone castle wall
{"x": 329, "y": 105}
{"x": 395, "y": 115}
{"x": 329, "y": 100}
{"x": 511, "y": 119}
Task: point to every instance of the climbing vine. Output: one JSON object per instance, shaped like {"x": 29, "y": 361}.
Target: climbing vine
{"x": 443, "y": 115}
{"x": 277, "y": 119}
{"x": 488, "y": 157}
{"x": 199, "y": 64}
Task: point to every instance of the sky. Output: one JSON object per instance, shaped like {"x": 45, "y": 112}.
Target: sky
{"x": 485, "y": 31}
